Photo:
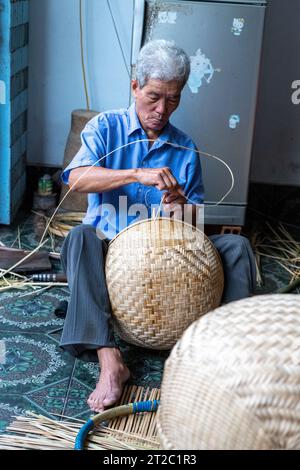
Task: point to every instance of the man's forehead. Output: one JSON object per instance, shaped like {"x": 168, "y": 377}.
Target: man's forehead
{"x": 159, "y": 86}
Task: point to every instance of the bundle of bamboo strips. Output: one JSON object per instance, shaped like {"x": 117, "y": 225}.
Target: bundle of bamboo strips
{"x": 280, "y": 246}
{"x": 131, "y": 432}
{"x": 62, "y": 223}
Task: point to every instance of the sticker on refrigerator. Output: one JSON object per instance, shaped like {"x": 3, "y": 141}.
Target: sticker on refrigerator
{"x": 237, "y": 26}
{"x": 234, "y": 121}
{"x": 167, "y": 17}
{"x": 201, "y": 69}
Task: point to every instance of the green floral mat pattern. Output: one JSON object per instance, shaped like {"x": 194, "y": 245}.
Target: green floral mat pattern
{"x": 37, "y": 375}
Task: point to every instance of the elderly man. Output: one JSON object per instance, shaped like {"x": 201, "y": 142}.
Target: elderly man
{"x": 142, "y": 167}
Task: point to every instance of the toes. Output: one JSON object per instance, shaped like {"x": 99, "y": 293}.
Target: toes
{"x": 99, "y": 410}
{"x": 95, "y": 405}
{"x": 111, "y": 400}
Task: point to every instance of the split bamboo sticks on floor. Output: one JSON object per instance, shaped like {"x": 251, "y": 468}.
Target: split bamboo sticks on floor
{"x": 131, "y": 432}
{"x": 61, "y": 224}
{"x": 281, "y": 247}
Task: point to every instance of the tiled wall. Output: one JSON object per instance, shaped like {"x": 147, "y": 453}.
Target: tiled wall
{"x": 14, "y": 80}
{"x": 18, "y": 96}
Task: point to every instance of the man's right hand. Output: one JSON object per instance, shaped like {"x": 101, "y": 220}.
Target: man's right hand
{"x": 161, "y": 178}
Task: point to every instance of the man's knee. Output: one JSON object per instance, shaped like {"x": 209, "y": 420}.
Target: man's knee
{"x": 78, "y": 236}
{"x": 240, "y": 243}
{"x": 230, "y": 243}
{"x": 236, "y": 241}
{"x": 81, "y": 230}
{"x": 87, "y": 231}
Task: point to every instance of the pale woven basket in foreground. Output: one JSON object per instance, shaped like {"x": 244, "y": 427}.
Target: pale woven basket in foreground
{"x": 162, "y": 274}
{"x": 233, "y": 379}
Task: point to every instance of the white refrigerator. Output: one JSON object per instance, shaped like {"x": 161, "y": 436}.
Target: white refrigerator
{"x": 223, "y": 40}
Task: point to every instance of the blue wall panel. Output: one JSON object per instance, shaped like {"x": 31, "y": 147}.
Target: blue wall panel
{"x": 13, "y": 105}
{"x": 5, "y": 162}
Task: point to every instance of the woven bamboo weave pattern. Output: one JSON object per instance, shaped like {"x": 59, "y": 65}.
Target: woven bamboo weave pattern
{"x": 161, "y": 275}
{"x": 236, "y": 376}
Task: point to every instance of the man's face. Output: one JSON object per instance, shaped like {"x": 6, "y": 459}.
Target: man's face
{"x": 155, "y": 103}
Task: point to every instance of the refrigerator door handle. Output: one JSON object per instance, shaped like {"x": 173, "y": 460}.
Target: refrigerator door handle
{"x": 138, "y": 26}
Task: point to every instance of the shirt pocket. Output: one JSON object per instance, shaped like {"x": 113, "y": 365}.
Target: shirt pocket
{"x": 153, "y": 196}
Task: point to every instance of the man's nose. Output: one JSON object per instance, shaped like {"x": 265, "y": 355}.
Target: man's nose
{"x": 161, "y": 107}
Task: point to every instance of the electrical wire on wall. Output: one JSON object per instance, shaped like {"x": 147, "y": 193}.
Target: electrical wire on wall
{"x": 82, "y": 56}
{"x": 118, "y": 37}
{"x": 82, "y": 48}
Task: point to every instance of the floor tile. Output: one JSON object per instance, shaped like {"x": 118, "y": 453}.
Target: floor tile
{"x": 51, "y": 398}
{"x": 32, "y": 360}
{"x": 12, "y": 405}
{"x": 30, "y": 313}
{"x": 76, "y": 403}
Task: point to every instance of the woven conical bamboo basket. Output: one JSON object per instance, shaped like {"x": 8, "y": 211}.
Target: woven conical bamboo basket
{"x": 233, "y": 380}
{"x": 162, "y": 274}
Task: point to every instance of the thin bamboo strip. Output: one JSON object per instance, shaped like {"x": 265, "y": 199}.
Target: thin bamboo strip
{"x": 258, "y": 273}
{"x": 19, "y": 237}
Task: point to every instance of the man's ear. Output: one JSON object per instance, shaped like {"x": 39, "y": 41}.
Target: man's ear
{"x": 134, "y": 87}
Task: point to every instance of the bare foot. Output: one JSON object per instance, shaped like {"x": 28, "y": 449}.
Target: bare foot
{"x": 113, "y": 376}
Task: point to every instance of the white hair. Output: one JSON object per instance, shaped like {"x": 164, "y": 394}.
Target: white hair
{"x": 162, "y": 60}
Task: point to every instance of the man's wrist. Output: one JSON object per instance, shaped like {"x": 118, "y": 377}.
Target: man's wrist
{"x": 134, "y": 174}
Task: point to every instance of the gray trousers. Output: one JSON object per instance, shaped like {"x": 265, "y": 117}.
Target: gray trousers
{"x": 87, "y": 324}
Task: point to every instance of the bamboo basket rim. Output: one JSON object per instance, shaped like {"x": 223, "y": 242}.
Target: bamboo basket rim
{"x": 152, "y": 219}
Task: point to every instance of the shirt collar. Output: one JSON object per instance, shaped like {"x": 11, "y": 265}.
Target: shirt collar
{"x": 134, "y": 124}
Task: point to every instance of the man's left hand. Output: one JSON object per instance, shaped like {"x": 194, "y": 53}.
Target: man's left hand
{"x": 174, "y": 201}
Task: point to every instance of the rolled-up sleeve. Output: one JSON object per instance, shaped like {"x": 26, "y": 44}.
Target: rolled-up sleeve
{"x": 93, "y": 147}
{"x": 194, "y": 188}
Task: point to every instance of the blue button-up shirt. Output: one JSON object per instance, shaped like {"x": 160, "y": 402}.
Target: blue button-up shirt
{"x": 111, "y": 211}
